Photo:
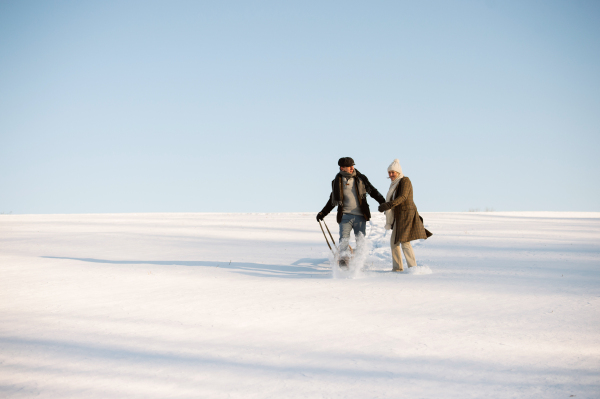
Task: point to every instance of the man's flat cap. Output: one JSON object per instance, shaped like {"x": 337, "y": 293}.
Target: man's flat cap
{"x": 346, "y": 161}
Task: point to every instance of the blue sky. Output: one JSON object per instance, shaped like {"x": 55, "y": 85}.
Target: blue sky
{"x": 126, "y": 106}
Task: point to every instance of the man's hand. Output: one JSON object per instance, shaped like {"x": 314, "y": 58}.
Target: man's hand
{"x": 385, "y": 206}
{"x": 319, "y": 216}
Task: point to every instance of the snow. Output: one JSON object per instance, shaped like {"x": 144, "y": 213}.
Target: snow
{"x": 501, "y": 305}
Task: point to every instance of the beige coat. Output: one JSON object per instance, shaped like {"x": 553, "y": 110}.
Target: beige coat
{"x": 408, "y": 223}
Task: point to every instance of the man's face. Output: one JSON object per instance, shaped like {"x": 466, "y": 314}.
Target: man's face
{"x": 349, "y": 169}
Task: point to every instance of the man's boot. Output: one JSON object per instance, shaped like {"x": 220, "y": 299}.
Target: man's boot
{"x": 343, "y": 263}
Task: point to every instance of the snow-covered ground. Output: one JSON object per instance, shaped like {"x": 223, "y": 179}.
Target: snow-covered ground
{"x": 503, "y": 305}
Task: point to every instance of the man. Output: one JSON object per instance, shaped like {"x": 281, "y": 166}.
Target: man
{"x": 349, "y": 194}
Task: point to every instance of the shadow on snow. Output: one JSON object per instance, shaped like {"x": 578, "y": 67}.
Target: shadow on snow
{"x": 140, "y": 364}
{"x": 302, "y": 268}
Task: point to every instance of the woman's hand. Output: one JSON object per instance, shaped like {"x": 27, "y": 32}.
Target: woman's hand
{"x": 385, "y": 206}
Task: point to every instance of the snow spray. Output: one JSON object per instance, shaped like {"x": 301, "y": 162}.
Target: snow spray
{"x": 356, "y": 259}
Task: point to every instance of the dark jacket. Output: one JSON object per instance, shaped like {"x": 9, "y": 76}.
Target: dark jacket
{"x": 337, "y": 197}
{"x": 407, "y": 222}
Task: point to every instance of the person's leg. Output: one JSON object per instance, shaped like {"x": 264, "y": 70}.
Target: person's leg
{"x": 360, "y": 226}
{"x": 396, "y": 253}
{"x": 345, "y": 229}
{"x": 409, "y": 254}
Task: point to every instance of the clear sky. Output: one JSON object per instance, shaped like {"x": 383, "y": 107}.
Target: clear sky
{"x": 202, "y": 106}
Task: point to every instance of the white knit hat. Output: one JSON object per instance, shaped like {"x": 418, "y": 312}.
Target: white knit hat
{"x": 395, "y": 166}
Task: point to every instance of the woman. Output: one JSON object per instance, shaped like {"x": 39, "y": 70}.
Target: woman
{"x": 401, "y": 215}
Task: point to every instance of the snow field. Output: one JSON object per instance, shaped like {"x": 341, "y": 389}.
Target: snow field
{"x": 245, "y": 305}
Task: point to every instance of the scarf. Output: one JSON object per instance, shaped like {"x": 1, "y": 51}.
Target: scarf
{"x": 348, "y": 175}
{"x": 389, "y": 214}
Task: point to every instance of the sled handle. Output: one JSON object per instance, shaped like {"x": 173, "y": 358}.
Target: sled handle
{"x": 326, "y": 240}
{"x": 332, "y": 240}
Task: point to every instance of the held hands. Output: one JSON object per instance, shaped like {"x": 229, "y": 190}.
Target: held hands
{"x": 319, "y": 216}
{"x": 385, "y": 206}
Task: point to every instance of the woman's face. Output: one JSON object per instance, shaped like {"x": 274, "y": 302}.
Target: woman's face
{"x": 393, "y": 174}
